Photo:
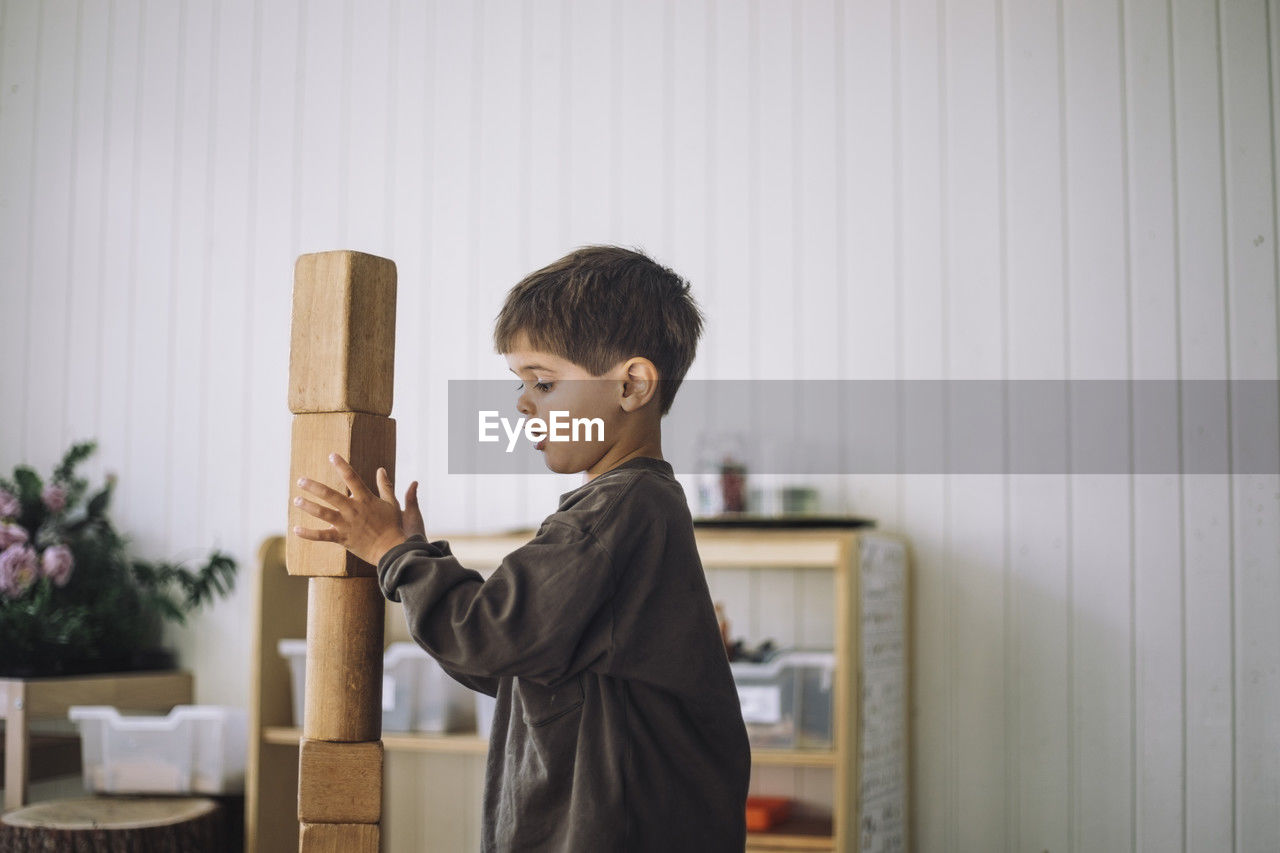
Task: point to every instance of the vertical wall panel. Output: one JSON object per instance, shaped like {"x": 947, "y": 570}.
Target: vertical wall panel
{"x": 50, "y": 217}
{"x": 1157, "y": 556}
{"x": 18, "y": 73}
{"x": 1249, "y": 178}
{"x": 1099, "y": 580}
{"x": 726, "y": 343}
{"x": 456, "y": 41}
{"x": 1209, "y": 676}
{"x": 923, "y": 497}
{"x": 975, "y": 339}
{"x": 189, "y": 319}
{"x": 83, "y": 327}
{"x": 500, "y": 501}
{"x": 408, "y": 237}
{"x": 868, "y": 174}
{"x": 270, "y": 265}
{"x": 364, "y": 176}
{"x": 639, "y": 108}
{"x": 1035, "y": 259}
{"x": 117, "y": 270}
{"x": 147, "y": 456}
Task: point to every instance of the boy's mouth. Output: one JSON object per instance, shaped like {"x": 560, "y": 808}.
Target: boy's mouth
{"x": 540, "y": 445}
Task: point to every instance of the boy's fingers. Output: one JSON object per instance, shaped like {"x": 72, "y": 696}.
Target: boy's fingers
{"x": 350, "y": 477}
{"x": 385, "y": 490}
{"x": 326, "y": 535}
{"x": 411, "y": 494}
{"x": 321, "y": 512}
{"x": 322, "y": 491}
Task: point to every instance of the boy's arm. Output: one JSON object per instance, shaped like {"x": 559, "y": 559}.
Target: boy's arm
{"x": 533, "y": 618}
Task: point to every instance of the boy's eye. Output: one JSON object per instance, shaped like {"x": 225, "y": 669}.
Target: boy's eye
{"x": 541, "y": 386}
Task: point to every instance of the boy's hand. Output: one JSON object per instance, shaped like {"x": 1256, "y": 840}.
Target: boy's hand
{"x": 364, "y": 523}
{"x": 412, "y": 521}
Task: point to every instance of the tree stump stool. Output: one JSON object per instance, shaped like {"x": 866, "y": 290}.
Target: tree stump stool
{"x": 115, "y": 825}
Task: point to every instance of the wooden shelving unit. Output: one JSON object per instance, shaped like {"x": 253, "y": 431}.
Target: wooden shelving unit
{"x": 861, "y": 570}
{"x": 25, "y": 699}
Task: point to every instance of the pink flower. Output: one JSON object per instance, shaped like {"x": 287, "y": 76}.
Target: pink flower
{"x": 12, "y": 534}
{"x": 10, "y": 506}
{"x": 54, "y": 497}
{"x": 57, "y": 563}
{"x": 18, "y": 569}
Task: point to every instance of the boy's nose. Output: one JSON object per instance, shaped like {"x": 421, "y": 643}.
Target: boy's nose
{"x": 523, "y": 406}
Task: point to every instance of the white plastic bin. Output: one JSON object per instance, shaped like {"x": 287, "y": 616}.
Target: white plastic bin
{"x": 295, "y": 652}
{"x": 418, "y": 695}
{"x": 195, "y": 749}
{"x": 443, "y": 705}
{"x": 402, "y": 664}
{"x": 485, "y": 706}
{"x": 786, "y": 702}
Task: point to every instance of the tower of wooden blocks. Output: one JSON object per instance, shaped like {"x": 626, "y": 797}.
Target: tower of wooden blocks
{"x": 341, "y": 363}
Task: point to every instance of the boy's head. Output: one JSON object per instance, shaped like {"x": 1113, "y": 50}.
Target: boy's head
{"x": 604, "y": 333}
{"x": 601, "y": 305}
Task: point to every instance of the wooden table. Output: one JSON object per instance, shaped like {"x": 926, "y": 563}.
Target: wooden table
{"x": 26, "y": 699}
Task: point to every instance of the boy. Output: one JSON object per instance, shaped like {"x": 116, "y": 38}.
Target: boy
{"x": 618, "y": 727}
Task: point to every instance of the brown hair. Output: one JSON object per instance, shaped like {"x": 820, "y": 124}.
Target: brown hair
{"x": 599, "y": 305}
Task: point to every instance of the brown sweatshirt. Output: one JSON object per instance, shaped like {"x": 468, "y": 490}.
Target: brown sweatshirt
{"x": 618, "y": 726}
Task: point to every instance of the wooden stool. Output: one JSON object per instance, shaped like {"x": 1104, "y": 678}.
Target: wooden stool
{"x": 115, "y": 825}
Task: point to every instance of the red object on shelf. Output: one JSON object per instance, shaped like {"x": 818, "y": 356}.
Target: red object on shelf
{"x": 764, "y": 813}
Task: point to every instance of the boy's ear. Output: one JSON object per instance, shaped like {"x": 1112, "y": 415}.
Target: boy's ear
{"x": 639, "y": 383}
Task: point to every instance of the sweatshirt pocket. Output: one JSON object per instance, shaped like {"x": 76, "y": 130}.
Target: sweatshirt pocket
{"x": 541, "y": 705}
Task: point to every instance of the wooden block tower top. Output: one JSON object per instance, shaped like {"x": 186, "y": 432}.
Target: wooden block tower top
{"x": 342, "y": 357}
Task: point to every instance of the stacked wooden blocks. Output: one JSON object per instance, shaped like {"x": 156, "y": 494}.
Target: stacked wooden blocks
{"x": 340, "y": 388}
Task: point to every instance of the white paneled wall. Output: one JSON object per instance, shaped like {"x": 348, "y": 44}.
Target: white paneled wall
{"x": 870, "y": 189}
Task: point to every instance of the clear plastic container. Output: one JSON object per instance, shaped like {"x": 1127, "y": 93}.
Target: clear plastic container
{"x": 401, "y": 665}
{"x": 195, "y": 749}
{"x": 444, "y": 705}
{"x": 786, "y": 702}
{"x": 418, "y": 695}
{"x": 295, "y": 652}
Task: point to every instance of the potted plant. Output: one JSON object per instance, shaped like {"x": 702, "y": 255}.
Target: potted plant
{"x": 72, "y": 599}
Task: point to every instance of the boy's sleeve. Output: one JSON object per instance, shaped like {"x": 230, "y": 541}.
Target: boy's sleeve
{"x": 543, "y": 615}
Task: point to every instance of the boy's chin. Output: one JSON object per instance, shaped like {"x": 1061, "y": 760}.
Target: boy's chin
{"x": 574, "y": 463}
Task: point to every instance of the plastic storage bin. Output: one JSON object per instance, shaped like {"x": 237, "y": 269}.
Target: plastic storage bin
{"x": 417, "y": 695}
{"x": 195, "y": 749}
{"x": 443, "y": 705}
{"x": 786, "y": 702}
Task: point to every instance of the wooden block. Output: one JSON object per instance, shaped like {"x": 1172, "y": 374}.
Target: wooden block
{"x": 344, "y": 660}
{"x": 367, "y": 442}
{"x": 339, "y": 782}
{"x": 342, "y": 357}
{"x": 339, "y": 838}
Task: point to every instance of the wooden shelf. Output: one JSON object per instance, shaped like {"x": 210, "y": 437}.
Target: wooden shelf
{"x": 794, "y": 757}
{"x": 271, "y": 777}
{"x": 459, "y": 744}
{"x": 472, "y": 744}
{"x": 795, "y": 834}
{"x": 817, "y": 548}
{"x": 25, "y": 699}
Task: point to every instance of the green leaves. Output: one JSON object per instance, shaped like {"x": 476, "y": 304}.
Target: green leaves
{"x": 175, "y": 591}
{"x": 113, "y": 605}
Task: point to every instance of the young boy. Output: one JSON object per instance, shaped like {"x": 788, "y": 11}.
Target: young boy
{"x": 618, "y": 727}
